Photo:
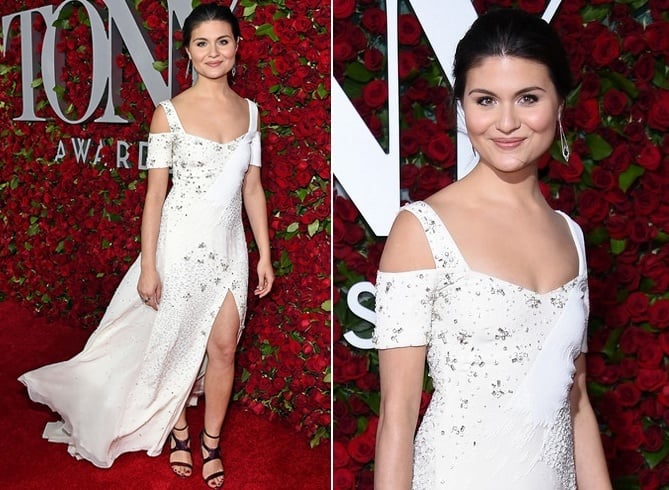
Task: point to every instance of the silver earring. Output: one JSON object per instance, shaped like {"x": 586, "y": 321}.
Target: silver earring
{"x": 234, "y": 70}
{"x": 564, "y": 144}
{"x": 188, "y": 68}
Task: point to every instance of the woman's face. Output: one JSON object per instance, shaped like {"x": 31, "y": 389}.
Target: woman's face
{"x": 511, "y": 108}
{"x": 212, "y": 48}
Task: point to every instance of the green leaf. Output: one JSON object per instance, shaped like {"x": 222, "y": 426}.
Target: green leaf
{"x": 611, "y": 345}
{"x": 598, "y": 146}
{"x": 312, "y": 228}
{"x": 160, "y": 65}
{"x": 267, "y": 30}
{"x": 653, "y": 459}
{"x": 597, "y": 235}
{"x": 618, "y": 246}
{"x": 249, "y": 11}
{"x": 357, "y": 71}
{"x": 627, "y": 178}
{"x": 36, "y": 83}
{"x": 593, "y": 13}
{"x": 293, "y": 227}
{"x": 326, "y": 305}
{"x": 622, "y": 83}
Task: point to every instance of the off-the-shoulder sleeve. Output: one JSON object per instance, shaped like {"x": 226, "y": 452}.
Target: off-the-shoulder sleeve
{"x": 404, "y": 308}
{"x": 256, "y": 159}
{"x": 159, "y": 153}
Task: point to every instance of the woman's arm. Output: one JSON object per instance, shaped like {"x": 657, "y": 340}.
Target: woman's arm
{"x": 149, "y": 285}
{"x": 401, "y": 372}
{"x": 401, "y": 369}
{"x": 256, "y": 209}
{"x": 591, "y": 471}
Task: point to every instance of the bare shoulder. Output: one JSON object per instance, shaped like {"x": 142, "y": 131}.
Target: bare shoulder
{"x": 407, "y": 247}
{"x": 159, "y": 122}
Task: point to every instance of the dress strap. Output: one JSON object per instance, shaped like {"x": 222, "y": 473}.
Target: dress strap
{"x": 579, "y": 241}
{"x": 172, "y": 116}
{"x": 253, "y": 116}
{"x": 434, "y": 231}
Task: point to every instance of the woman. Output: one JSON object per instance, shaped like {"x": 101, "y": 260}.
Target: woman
{"x": 171, "y": 329}
{"x": 490, "y": 284}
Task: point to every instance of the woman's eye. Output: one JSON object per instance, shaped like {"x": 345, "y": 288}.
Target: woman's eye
{"x": 223, "y": 42}
{"x": 200, "y": 44}
{"x": 484, "y": 100}
{"x": 528, "y": 99}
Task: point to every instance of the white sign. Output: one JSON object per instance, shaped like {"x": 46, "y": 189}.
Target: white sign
{"x": 122, "y": 27}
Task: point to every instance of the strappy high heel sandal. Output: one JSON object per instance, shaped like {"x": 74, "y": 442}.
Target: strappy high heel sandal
{"x": 212, "y": 454}
{"x": 180, "y": 445}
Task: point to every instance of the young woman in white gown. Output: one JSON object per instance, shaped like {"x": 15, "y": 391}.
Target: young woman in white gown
{"x": 171, "y": 330}
{"x": 490, "y": 284}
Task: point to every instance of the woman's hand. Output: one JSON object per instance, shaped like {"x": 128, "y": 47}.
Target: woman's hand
{"x": 265, "y": 278}
{"x": 150, "y": 288}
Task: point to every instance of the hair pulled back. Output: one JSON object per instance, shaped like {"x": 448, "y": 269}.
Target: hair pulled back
{"x": 515, "y": 33}
{"x": 206, "y": 12}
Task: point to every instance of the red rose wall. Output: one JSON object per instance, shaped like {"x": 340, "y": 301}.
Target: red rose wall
{"x": 70, "y": 228}
{"x": 616, "y": 186}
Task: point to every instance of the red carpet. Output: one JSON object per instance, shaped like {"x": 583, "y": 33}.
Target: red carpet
{"x": 257, "y": 453}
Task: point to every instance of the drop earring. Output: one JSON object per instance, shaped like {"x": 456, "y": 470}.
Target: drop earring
{"x": 234, "y": 70}
{"x": 188, "y": 68}
{"x": 564, "y": 144}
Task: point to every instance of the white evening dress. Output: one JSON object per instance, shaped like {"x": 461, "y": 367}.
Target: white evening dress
{"x": 501, "y": 358}
{"x": 140, "y": 367}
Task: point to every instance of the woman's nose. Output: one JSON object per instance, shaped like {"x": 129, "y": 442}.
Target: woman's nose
{"x": 508, "y": 120}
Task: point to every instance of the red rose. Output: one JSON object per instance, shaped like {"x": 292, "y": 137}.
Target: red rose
{"x": 651, "y": 379}
{"x": 345, "y": 209}
{"x": 440, "y": 148}
{"x": 587, "y": 115}
{"x": 374, "y": 20}
{"x": 569, "y": 172}
{"x": 343, "y": 51}
{"x": 657, "y": 36}
{"x": 653, "y": 438}
{"x": 343, "y": 9}
{"x": 408, "y": 64}
{"x": 658, "y": 313}
{"x": 649, "y": 355}
{"x": 658, "y": 115}
{"x": 408, "y": 175}
{"x": 373, "y": 59}
{"x": 344, "y": 479}
{"x": 408, "y": 143}
{"x": 375, "y": 93}
{"x": 628, "y": 394}
{"x": 644, "y": 68}
{"x": 592, "y": 205}
{"x": 631, "y": 438}
{"x": 606, "y": 48}
{"x": 650, "y": 157}
{"x": 361, "y": 448}
{"x": 634, "y": 44}
{"x": 615, "y": 102}
{"x": 340, "y": 454}
{"x": 409, "y": 30}
{"x": 532, "y": 6}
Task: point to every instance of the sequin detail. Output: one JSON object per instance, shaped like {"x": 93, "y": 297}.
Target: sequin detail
{"x": 501, "y": 361}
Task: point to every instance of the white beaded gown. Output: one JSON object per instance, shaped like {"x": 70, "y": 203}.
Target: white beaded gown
{"x": 140, "y": 367}
{"x": 501, "y": 358}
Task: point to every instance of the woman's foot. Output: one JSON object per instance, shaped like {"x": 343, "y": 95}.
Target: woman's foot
{"x": 212, "y": 466}
{"x": 181, "y": 459}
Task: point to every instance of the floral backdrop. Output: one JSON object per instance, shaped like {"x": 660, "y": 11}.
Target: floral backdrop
{"x": 616, "y": 186}
{"x": 70, "y": 229}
